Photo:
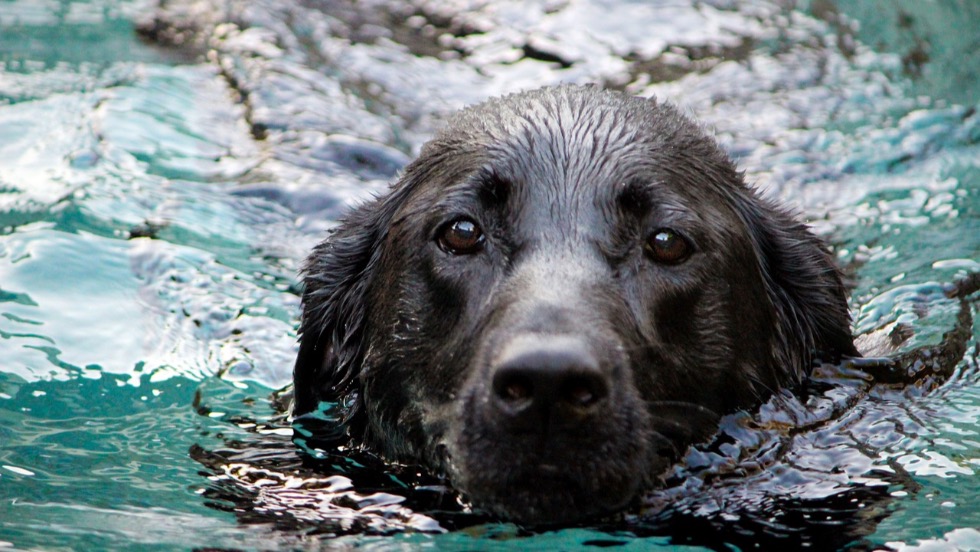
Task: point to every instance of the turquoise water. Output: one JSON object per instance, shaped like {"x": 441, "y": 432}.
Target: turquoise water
{"x": 156, "y": 201}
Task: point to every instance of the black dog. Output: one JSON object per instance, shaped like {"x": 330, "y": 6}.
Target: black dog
{"x": 561, "y": 293}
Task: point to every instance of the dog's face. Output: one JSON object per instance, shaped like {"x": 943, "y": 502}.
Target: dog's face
{"x": 567, "y": 288}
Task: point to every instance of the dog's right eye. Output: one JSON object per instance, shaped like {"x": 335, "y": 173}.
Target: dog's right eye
{"x": 667, "y": 247}
{"x": 461, "y": 237}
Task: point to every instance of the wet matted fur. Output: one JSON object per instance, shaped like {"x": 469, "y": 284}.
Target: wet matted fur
{"x": 564, "y": 290}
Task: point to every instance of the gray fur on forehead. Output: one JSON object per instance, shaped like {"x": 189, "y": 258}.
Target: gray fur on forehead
{"x": 569, "y": 134}
{"x": 579, "y": 117}
{"x": 589, "y": 108}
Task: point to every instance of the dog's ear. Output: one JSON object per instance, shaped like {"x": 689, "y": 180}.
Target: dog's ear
{"x": 804, "y": 285}
{"x": 337, "y": 276}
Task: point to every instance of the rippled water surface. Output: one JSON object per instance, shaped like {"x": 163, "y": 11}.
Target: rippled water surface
{"x": 158, "y": 190}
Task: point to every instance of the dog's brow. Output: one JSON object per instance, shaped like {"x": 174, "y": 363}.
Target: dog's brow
{"x": 492, "y": 187}
{"x": 634, "y": 196}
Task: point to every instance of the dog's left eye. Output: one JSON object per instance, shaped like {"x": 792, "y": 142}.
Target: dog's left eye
{"x": 461, "y": 237}
{"x": 667, "y": 246}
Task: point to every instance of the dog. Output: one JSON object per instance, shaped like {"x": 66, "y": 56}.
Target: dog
{"x": 563, "y": 291}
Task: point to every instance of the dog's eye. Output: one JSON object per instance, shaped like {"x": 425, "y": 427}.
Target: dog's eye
{"x": 461, "y": 237}
{"x": 667, "y": 246}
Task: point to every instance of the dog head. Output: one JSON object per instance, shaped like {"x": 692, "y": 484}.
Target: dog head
{"x": 562, "y": 292}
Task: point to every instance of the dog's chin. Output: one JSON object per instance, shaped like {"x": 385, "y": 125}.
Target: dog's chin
{"x": 545, "y": 498}
{"x": 574, "y": 488}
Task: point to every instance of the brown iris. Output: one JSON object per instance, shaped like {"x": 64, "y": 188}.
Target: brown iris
{"x": 667, "y": 246}
{"x": 461, "y": 237}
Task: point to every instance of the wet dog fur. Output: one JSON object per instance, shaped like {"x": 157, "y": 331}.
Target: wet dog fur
{"x": 564, "y": 290}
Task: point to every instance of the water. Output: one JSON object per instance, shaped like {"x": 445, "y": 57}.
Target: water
{"x": 155, "y": 202}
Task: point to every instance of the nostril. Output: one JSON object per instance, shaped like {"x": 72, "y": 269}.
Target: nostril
{"x": 513, "y": 387}
{"x": 583, "y": 391}
{"x": 513, "y": 392}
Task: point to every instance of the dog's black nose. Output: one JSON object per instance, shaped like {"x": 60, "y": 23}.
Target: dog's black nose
{"x": 536, "y": 377}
